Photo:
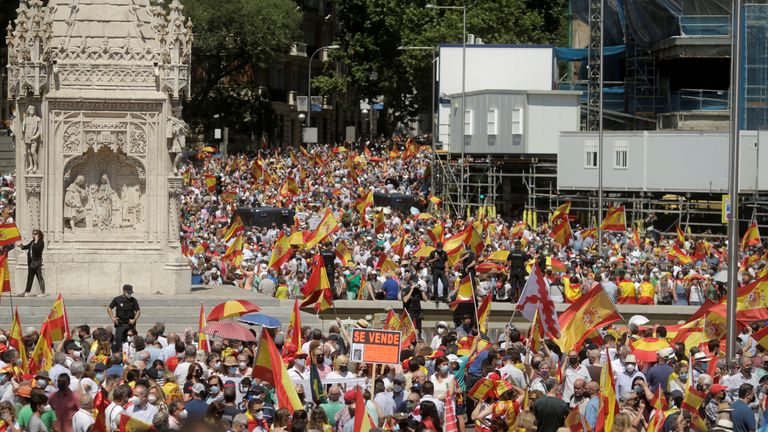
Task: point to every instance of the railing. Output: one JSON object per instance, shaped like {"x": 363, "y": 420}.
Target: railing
{"x": 704, "y": 25}
{"x": 698, "y": 100}
{"x": 613, "y": 93}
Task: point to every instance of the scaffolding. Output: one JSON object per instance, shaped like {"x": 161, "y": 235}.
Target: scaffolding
{"x": 640, "y": 83}
{"x": 595, "y": 64}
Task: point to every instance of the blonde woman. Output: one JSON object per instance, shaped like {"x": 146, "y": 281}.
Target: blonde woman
{"x": 340, "y": 368}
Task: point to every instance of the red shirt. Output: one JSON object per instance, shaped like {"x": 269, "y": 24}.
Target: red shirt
{"x": 65, "y": 405}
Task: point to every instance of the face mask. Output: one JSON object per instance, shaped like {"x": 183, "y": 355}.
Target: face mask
{"x": 573, "y": 361}
{"x": 397, "y": 388}
{"x": 630, "y": 368}
{"x": 441, "y": 331}
{"x": 134, "y": 400}
{"x": 343, "y": 369}
{"x": 429, "y": 364}
{"x": 76, "y": 354}
{"x": 129, "y": 339}
{"x": 444, "y": 368}
{"x": 260, "y": 415}
{"x": 42, "y": 383}
{"x": 217, "y": 365}
{"x": 46, "y": 408}
{"x": 747, "y": 370}
{"x": 152, "y": 399}
{"x": 183, "y": 414}
{"x": 300, "y": 361}
{"x": 242, "y": 365}
{"x": 99, "y": 376}
{"x": 62, "y": 387}
{"x": 684, "y": 376}
{"x": 410, "y": 406}
{"x": 128, "y": 295}
{"x": 466, "y": 326}
{"x": 215, "y": 390}
{"x": 319, "y": 359}
{"x": 328, "y": 362}
{"x": 638, "y": 389}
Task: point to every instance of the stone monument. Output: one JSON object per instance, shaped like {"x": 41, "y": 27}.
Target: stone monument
{"x": 100, "y": 84}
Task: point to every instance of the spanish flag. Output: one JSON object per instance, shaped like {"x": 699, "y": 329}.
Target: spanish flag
{"x": 362, "y": 204}
{"x": 343, "y": 253}
{"x": 281, "y": 251}
{"x": 676, "y": 253}
{"x": 435, "y": 200}
{"x": 588, "y": 232}
{"x": 378, "y": 223}
{"x": 202, "y": 339}
{"x": 210, "y": 182}
{"x": 591, "y": 311}
{"x": 363, "y": 422}
{"x": 391, "y": 322}
{"x": 317, "y": 290}
{"x": 131, "y": 424}
{"x": 236, "y": 228}
{"x": 561, "y": 211}
{"x": 483, "y": 314}
{"x": 500, "y": 255}
{"x": 386, "y": 266}
{"x": 9, "y": 234}
{"x": 751, "y": 237}
{"x": 304, "y": 151}
{"x": 5, "y": 275}
{"x": 289, "y": 188}
{"x": 474, "y": 241}
{"x": 680, "y": 235}
{"x": 455, "y": 242}
{"x": 234, "y": 250}
{"x": 257, "y": 169}
{"x": 561, "y": 229}
{"x": 326, "y": 227}
{"x": 615, "y": 219}
{"x": 575, "y": 422}
{"x": 16, "y": 339}
{"x": 752, "y": 301}
{"x": 293, "y": 332}
{"x": 42, "y": 355}
{"x": 519, "y": 229}
{"x": 57, "y": 321}
{"x": 536, "y": 333}
{"x": 408, "y": 330}
{"x": 608, "y": 406}
{"x": 398, "y": 246}
{"x": 466, "y": 293}
{"x": 636, "y": 236}
{"x": 436, "y": 233}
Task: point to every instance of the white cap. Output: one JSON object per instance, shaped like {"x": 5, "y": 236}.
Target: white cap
{"x": 667, "y": 353}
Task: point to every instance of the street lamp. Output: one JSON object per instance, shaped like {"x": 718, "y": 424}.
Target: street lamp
{"x": 309, "y": 81}
{"x": 463, "y": 9}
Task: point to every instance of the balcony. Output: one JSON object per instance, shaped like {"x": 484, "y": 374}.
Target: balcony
{"x": 298, "y": 49}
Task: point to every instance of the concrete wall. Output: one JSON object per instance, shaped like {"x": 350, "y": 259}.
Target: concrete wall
{"x": 542, "y": 116}
{"x": 662, "y": 161}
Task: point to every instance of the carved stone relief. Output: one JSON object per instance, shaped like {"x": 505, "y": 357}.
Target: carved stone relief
{"x": 107, "y": 193}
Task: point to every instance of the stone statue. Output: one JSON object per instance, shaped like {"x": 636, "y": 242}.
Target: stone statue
{"x": 31, "y": 130}
{"x": 177, "y": 131}
{"x": 75, "y": 199}
{"x": 130, "y": 198}
{"x": 102, "y": 204}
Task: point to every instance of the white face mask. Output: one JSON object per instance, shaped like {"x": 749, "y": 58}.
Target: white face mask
{"x": 441, "y": 331}
{"x": 46, "y": 408}
{"x": 630, "y": 367}
{"x": 183, "y": 414}
{"x": 152, "y": 399}
{"x": 134, "y": 400}
{"x": 242, "y": 365}
{"x": 300, "y": 361}
{"x": 129, "y": 339}
{"x": 128, "y": 295}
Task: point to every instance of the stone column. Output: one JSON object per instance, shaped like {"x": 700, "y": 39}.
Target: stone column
{"x": 175, "y": 189}
{"x": 33, "y": 185}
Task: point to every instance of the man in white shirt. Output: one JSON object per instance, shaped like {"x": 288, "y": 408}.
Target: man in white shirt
{"x": 299, "y": 369}
{"x": 627, "y": 374}
{"x": 83, "y": 420}
{"x": 573, "y": 371}
{"x": 142, "y": 409}
{"x": 180, "y": 373}
{"x": 120, "y": 397}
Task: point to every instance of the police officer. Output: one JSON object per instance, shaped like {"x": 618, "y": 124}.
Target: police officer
{"x": 517, "y": 259}
{"x": 127, "y": 313}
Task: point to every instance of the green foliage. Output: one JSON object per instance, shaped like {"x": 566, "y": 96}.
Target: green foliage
{"x": 372, "y": 30}
{"x": 234, "y": 39}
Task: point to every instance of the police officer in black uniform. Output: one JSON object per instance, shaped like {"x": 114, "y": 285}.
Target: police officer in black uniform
{"x": 437, "y": 259}
{"x": 127, "y": 313}
{"x": 517, "y": 259}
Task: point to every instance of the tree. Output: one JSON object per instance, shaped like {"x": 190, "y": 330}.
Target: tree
{"x": 234, "y": 41}
{"x": 371, "y": 32}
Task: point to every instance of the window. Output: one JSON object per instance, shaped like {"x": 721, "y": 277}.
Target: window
{"x": 492, "y": 129}
{"x": 590, "y": 154}
{"x": 517, "y": 121}
{"x": 468, "y": 122}
{"x": 620, "y": 153}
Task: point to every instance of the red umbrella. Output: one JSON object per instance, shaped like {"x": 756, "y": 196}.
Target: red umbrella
{"x": 232, "y": 309}
{"x": 645, "y": 349}
{"x": 229, "y": 330}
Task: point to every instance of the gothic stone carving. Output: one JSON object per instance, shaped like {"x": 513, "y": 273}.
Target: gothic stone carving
{"x": 32, "y": 131}
{"x": 107, "y": 193}
{"x": 33, "y": 188}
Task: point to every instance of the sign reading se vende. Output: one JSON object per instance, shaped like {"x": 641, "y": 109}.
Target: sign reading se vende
{"x": 375, "y": 346}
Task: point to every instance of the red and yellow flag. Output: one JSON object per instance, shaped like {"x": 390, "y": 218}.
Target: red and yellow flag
{"x": 268, "y": 366}
{"x": 234, "y": 250}
{"x": 408, "y": 330}
{"x": 398, "y": 246}
{"x": 591, "y": 311}
{"x": 474, "y": 240}
{"x": 386, "y": 266}
{"x": 281, "y": 251}
{"x": 16, "y": 339}
{"x": 436, "y": 233}
{"x": 5, "y": 275}
{"x": 202, "y": 339}
{"x": 751, "y": 237}
{"x": 42, "y": 355}
{"x": 483, "y": 314}
{"x": 9, "y": 234}
{"x": 680, "y": 235}
{"x": 465, "y": 294}
{"x": 343, "y": 253}
{"x": 289, "y": 188}
{"x": 363, "y": 422}
{"x": 57, "y": 321}
{"x": 234, "y": 229}
{"x": 132, "y": 424}
{"x": 378, "y": 223}
{"x": 317, "y": 291}
{"x": 210, "y": 182}
{"x": 561, "y": 211}
{"x": 575, "y": 422}
{"x": 752, "y": 301}
{"x": 391, "y": 322}
{"x": 608, "y": 405}
{"x": 257, "y": 168}
{"x": 636, "y": 236}
{"x": 615, "y": 219}
{"x": 293, "y": 332}
{"x": 519, "y": 229}
{"x": 561, "y": 229}
{"x": 536, "y": 333}
{"x": 435, "y": 200}
{"x": 362, "y": 204}
{"x": 327, "y": 226}
{"x": 676, "y": 253}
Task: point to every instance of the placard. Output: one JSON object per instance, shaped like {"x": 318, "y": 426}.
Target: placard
{"x": 375, "y": 346}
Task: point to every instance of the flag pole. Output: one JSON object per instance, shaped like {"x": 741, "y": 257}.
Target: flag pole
{"x": 474, "y": 300}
